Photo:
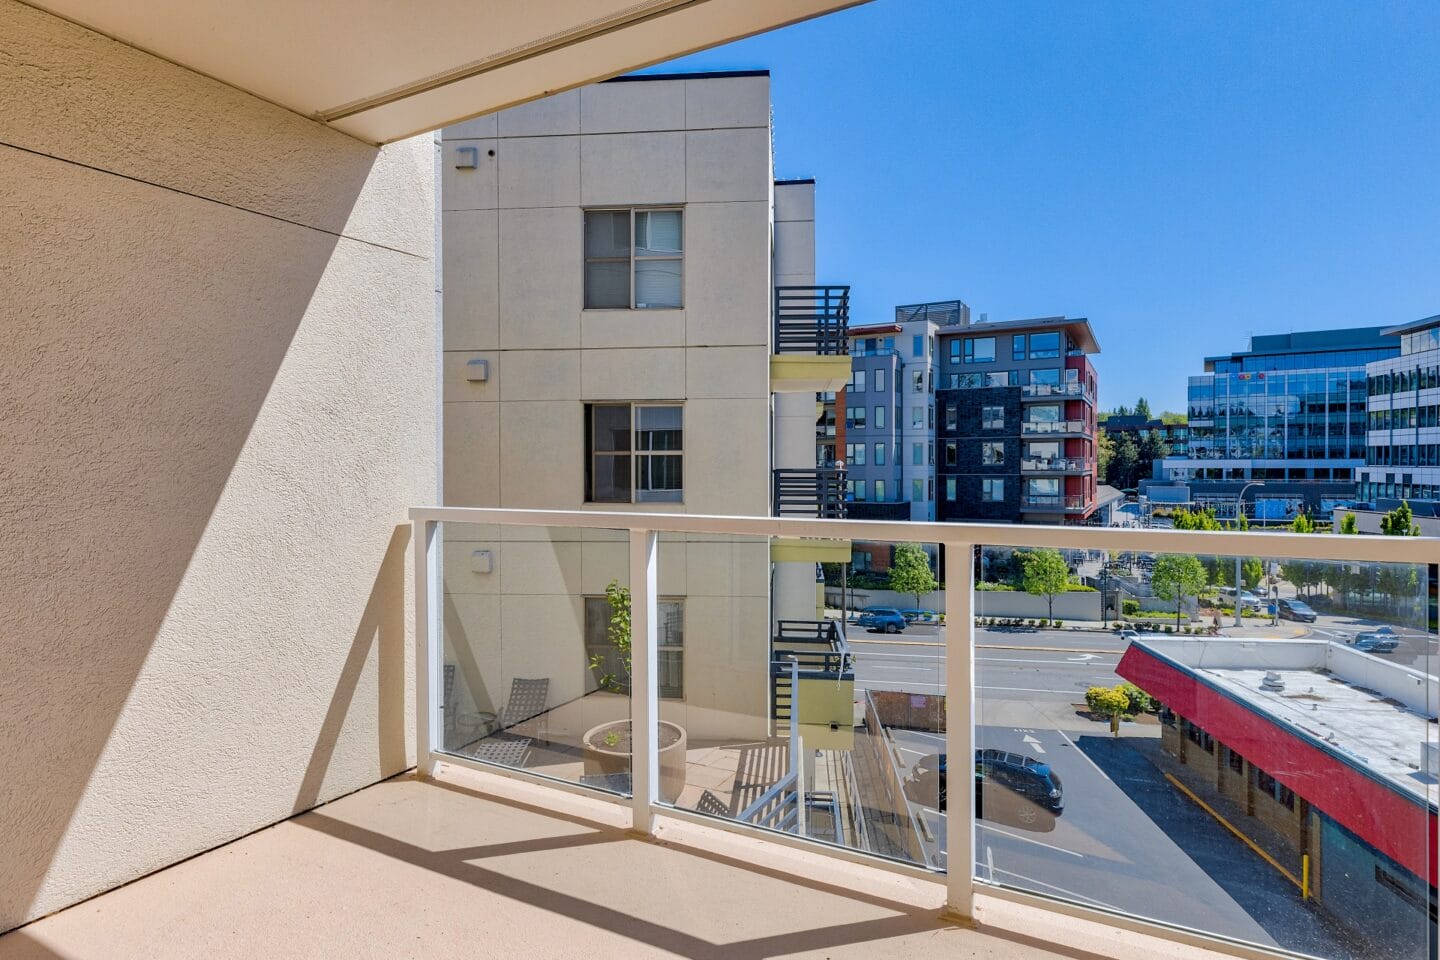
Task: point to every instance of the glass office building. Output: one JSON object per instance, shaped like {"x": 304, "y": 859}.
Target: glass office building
{"x": 1291, "y": 408}
{"x": 1403, "y": 456}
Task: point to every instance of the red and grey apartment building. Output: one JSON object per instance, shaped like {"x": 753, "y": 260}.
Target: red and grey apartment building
{"x": 1015, "y": 437}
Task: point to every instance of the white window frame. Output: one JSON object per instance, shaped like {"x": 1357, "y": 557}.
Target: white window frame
{"x": 586, "y": 259}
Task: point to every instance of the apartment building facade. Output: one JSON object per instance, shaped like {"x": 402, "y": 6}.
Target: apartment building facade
{"x": 1402, "y": 440}
{"x": 1016, "y": 427}
{"x": 614, "y": 261}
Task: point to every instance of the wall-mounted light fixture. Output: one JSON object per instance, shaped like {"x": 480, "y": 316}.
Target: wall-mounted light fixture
{"x": 477, "y": 370}
{"x": 468, "y": 158}
{"x": 481, "y": 561}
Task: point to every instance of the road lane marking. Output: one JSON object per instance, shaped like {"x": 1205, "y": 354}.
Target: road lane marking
{"x": 990, "y": 862}
{"x": 1080, "y": 659}
{"x": 1034, "y": 744}
{"x": 1011, "y": 646}
{"x": 1082, "y": 753}
{"x": 1016, "y": 836}
{"x": 1068, "y": 693}
{"x": 1061, "y": 663}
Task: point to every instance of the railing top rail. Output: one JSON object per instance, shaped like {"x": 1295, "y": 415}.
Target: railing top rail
{"x": 1370, "y": 548}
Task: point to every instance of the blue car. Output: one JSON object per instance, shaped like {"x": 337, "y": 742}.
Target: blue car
{"x": 881, "y": 619}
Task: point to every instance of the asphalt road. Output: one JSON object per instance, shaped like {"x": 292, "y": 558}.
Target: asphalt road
{"x": 1127, "y": 841}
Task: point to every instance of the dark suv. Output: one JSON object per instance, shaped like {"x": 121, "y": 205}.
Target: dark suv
{"x": 1027, "y": 787}
{"x": 1296, "y": 610}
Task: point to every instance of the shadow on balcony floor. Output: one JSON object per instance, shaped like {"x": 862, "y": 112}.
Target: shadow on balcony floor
{"x": 471, "y": 865}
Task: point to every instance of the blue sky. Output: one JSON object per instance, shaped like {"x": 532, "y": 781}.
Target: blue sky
{"x": 1183, "y": 174}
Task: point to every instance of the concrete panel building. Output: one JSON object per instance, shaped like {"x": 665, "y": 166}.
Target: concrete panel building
{"x": 612, "y": 257}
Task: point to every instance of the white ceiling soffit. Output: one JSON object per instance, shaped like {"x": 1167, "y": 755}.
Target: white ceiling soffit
{"x": 385, "y": 69}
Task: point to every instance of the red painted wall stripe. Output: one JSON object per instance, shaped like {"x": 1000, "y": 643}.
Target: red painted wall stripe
{"x": 1398, "y": 826}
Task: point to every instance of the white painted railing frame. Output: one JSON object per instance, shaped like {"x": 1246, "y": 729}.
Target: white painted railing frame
{"x": 959, "y": 542}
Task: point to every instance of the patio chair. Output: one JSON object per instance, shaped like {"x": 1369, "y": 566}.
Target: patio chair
{"x": 527, "y": 701}
{"x": 712, "y": 805}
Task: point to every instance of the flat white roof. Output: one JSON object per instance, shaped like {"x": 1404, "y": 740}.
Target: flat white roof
{"x": 1375, "y": 713}
{"x": 1376, "y": 733}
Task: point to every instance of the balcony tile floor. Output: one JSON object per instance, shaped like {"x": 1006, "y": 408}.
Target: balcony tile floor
{"x": 476, "y": 866}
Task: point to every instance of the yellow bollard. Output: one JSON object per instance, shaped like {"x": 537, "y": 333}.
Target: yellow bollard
{"x": 1305, "y": 876}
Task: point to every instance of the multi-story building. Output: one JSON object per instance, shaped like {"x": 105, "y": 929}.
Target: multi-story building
{"x": 1015, "y": 437}
{"x": 632, "y": 323}
{"x": 1289, "y": 412}
{"x": 1402, "y": 445}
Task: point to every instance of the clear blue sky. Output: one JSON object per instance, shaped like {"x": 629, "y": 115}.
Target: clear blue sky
{"x": 1184, "y": 174}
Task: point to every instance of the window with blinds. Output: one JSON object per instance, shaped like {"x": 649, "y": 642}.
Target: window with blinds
{"x": 634, "y": 259}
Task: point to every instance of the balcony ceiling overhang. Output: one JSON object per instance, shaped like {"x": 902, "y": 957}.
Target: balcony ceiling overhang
{"x": 383, "y": 70}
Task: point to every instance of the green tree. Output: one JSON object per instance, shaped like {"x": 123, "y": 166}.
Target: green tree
{"x": 1173, "y": 419}
{"x": 1242, "y": 522}
{"x": 1177, "y": 577}
{"x": 1142, "y": 408}
{"x": 1349, "y": 526}
{"x": 1253, "y": 571}
{"x": 1150, "y": 449}
{"x": 910, "y": 571}
{"x": 1104, "y": 452}
{"x": 1045, "y": 575}
{"x": 1302, "y": 524}
{"x": 1125, "y": 462}
{"x": 617, "y": 631}
{"x": 1400, "y": 522}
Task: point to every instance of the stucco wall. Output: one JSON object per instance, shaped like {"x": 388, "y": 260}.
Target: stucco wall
{"x": 217, "y": 401}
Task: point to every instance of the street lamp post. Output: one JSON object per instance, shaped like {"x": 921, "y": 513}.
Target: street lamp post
{"x": 1239, "y": 509}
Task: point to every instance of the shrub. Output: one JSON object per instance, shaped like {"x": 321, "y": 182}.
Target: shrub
{"x": 1130, "y": 607}
{"x": 1169, "y": 628}
{"x": 1058, "y": 624}
{"x": 1140, "y": 701}
{"x": 1107, "y": 701}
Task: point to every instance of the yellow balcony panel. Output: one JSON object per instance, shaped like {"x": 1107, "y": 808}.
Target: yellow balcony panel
{"x": 809, "y": 551}
{"x": 807, "y": 373}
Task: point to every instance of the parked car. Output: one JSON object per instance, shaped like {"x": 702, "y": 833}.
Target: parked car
{"x": 1129, "y": 636}
{"x": 1296, "y": 610}
{"x": 919, "y": 616}
{"x": 1374, "y": 642}
{"x": 1028, "y": 788}
{"x": 1247, "y": 599}
{"x": 881, "y": 619}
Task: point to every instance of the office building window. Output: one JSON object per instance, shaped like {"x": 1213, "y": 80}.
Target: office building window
{"x": 930, "y": 453}
{"x": 607, "y": 663}
{"x": 930, "y": 417}
{"x": 859, "y": 489}
{"x": 992, "y": 418}
{"x": 1277, "y": 791}
{"x": 859, "y": 378}
{"x": 880, "y": 490}
{"x": 955, "y": 350}
{"x": 979, "y": 349}
{"x": 952, "y": 454}
{"x": 855, "y": 454}
{"x": 879, "y": 383}
{"x": 992, "y": 489}
{"x": 880, "y": 418}
{"x": 917, "y": 381}
{"x": 855, "y": 418}
{"x": 992, "y": 452}
{"x": 635, "y": 453}
{"x": 880, "y": 452}
{"x": 952, "y": 415}
{"x": 950, "y": 489}
{"x": 1043, "y": 488}
{"x": 917, "y": 418}
{"x": 1199, "y": 737}
{"x": 917, "y": 454}
{"x": 1000, "y": 378}
{"x": 1017, "y": 347}
{"x": 634, "y": 259}
{"x": 1049, "y": 376}
{"x": 1234, "y": 760}
{"x": 1044, "y": 346}
{"x": 917, "y": 491}
{"x": 917, "y": 346}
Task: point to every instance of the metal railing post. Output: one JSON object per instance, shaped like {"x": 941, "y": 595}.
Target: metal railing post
{"x": 960, "y": 731}
{"x": 644, "y": 681}
{"x": 424, "y": 548}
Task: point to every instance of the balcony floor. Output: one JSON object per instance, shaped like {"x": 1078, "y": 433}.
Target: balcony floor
{"x": 472, "y": 865}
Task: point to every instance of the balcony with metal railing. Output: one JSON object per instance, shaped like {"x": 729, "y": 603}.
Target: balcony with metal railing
{"x": 809, "y": 492}
{"x": 1064, "y": 465}
{"x": 1056, "y": 503}
{"x": 812, "y": 344}
{"x": 1056, "y": 391}
{"x": 1134, "y": 825}
{"x": 1054, "y": 428}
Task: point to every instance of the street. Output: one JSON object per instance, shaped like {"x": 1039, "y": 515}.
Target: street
{"x": 1127, "y": 840}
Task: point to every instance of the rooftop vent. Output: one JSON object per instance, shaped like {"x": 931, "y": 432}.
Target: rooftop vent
{"x": 1272, "y": 681}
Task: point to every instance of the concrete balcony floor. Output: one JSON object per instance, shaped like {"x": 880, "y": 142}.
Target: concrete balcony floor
{"x": 475, "y": 866}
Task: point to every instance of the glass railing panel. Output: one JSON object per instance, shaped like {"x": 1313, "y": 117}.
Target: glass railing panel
{"x": 1272, "y": 782}
{"x": 535, "y": 662}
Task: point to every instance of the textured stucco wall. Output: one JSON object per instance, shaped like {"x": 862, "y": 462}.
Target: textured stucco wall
{"x": 217, "y": 399}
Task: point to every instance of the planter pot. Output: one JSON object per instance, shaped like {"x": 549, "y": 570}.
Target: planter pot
{"x": 607, "y": 751}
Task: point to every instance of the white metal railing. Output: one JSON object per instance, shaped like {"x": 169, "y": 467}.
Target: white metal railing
{"x": 958, "y": 541}
{"x": 1044, "y": 427}
{"x": 1034, "y": 391}
{"x": 1056, "y": 464}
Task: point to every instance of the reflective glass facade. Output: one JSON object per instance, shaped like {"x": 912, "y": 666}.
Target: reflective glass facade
{"x": 1278, "y": 415}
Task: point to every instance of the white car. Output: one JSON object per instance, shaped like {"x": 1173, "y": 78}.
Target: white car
{"x": 1129, "y": 636}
